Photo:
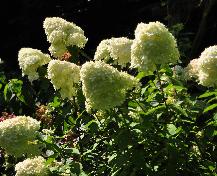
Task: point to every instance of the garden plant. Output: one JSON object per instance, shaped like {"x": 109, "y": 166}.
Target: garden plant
{"x": 131, "y": 109}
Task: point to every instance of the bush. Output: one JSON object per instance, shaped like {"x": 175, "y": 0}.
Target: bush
{"x": 129, "y": 111}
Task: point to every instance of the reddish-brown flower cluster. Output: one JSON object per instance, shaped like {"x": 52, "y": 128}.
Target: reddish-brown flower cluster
{"x": 42, "y": 115}
{"x": 6, "y": 115}
{"x": 70, "y": 138}
{"x": 66, "y": 56}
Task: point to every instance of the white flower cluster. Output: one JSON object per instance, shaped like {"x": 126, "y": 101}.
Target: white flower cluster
{"x": 191, "y": 70}
{"x": 61, "y": 34}
{"x": 104, "y": 86}
{"x": 205, "y": 67}
{"x": 30, "y": 60}
{"x": 32, "y": 167}
{"x": 64, "y": 76}
{"x": 117, "y": 49}
{"x": 153, "y": 45}
{"x": 18, "y": 135}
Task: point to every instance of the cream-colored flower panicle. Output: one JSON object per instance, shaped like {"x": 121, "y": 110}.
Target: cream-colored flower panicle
{"x": 18, "y": 136}
{"x": 104, "y": 86}
{"x": 61, "y": 34}
{"x": 153, "y": 45}
{"x": 207, "y": 74}
{"x": 191, "y": 71}
{"x": 32, "y": 167}
{"x": 64, "y": 76}
{"x": 117, "y": 49}
{"x": 204, "y": 69}
{"x": 30, "y": 60}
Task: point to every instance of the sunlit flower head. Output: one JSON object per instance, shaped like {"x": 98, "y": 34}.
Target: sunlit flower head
{"x": 32, "y": 167}
{"x": 64, "y": 76}
{"x": 30, "y": 60}
{"x": 62, "y": 34}
{"x": 104, "y": 86}
{"x": 207, "y": 74}
{"x": 115, "y": 49}
{"x": 191, "y": 71}
{"x": 18, "y": 136}
{"x": 153, "y": 45}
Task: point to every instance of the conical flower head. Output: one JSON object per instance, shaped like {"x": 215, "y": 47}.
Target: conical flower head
{"x": 30, "y": 60}
{"x": 117, "y": 49}
{"x": 64, "y": 76}
{"x": 153, "y": 45}
{"x": 207, "y": 67}
{"x": 104, "y": 86}
{"x": 191, "y": 71}
{"x": 61, "y": 34}
{"x": 18, "y": 135}
{"x": 32, "y": 167}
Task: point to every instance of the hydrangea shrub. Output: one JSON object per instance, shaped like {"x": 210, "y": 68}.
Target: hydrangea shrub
{"x": 129, "y": 109}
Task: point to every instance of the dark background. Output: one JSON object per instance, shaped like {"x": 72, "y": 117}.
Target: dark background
{"x": 22, "y": 22}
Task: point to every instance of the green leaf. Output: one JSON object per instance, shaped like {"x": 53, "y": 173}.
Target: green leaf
{"x": 153, "y": 110}
{"x": 6, "y": 92}
{"x": 92, "y": 126}
{"x": 113, "y": 156}
{"x": 56, "y": 102}
{"x": 73, "y": 151}
{"x": 215, "y": 117}
{"x": 132, "y": 104}
{"x": 15, "y": 86}
{"x": 90, "y": 151}
{"x": 215, "y": 133}
{"x": 76, "y": 167}
{"x": 172, "y": 129}
{"x": 140, "y": 75}
{"x": 211, "y": 107}
{"x": 179, "y": 109}
{"x": 2, "y": 78}
{"x": 207, "y": 94}
{"x": 49, "y": 160}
